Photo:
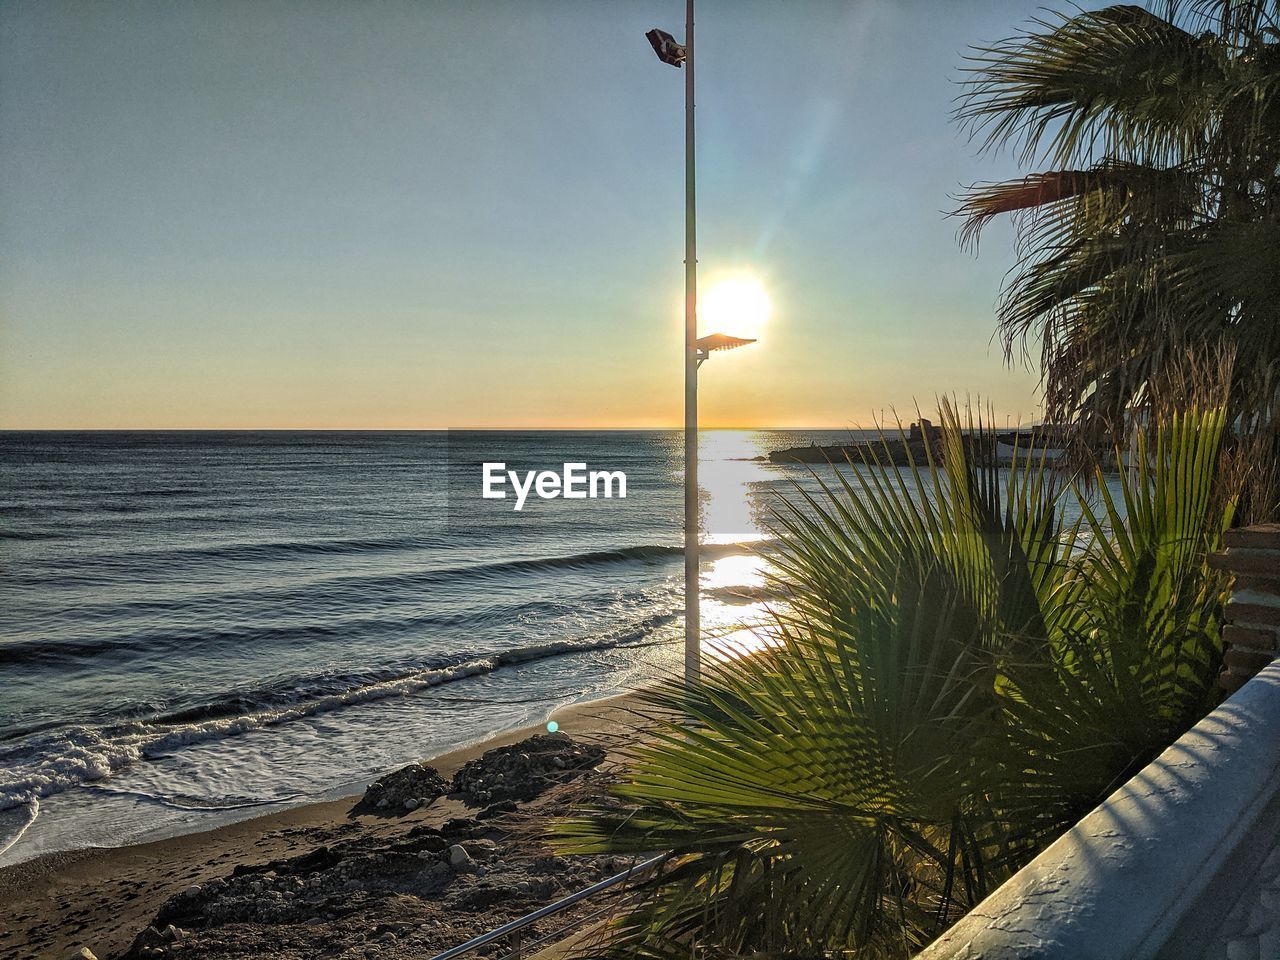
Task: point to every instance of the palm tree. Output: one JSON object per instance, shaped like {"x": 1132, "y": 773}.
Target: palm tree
{"x": 961, "y": 673}
{"x": 1155, "y": 234}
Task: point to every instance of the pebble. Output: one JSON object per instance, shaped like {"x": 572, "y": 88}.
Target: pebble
{"x": 412, "y": 803}
{"x": 458, "y": 857}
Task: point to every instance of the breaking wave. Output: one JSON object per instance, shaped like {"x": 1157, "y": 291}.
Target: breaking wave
{"x": 83, "y": 754}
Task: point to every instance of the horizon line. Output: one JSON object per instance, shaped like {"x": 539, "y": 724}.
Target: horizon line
{"x": 517, "y": 429}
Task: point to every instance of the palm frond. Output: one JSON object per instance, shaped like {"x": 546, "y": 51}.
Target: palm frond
{"x": 1158, "y": 234}
{"x": 961, "y": 673}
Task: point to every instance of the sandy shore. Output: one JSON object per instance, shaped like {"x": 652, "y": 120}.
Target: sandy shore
{"x": 56, "y": 904}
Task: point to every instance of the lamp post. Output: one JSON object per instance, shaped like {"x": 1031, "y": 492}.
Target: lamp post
{"x": 695, "y": 350}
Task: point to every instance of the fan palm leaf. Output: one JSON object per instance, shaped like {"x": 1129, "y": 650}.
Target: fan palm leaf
{"x": 960, "y": 674}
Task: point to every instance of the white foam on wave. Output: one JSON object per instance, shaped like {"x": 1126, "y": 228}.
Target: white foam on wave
{"x": 33, "y": 811}
{"x": 87, "y": 754}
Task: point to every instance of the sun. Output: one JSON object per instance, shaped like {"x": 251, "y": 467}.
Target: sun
{"x": 738, "y": 306}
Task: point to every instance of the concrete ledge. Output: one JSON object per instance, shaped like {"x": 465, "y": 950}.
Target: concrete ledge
{"x": 1164, "y": 867}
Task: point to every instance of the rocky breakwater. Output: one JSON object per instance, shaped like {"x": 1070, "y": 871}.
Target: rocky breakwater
{"x": 922, "y": 441}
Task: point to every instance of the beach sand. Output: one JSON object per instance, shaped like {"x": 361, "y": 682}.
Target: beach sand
{"x": 56, "y": 904}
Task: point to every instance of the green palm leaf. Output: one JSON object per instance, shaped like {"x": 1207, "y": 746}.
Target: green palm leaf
{"x": 1156, "y": 239}
{"x": 961, "y": 674}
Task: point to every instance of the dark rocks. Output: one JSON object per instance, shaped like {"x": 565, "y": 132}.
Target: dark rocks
{"x": 334, "y": 893}
{"x": 523, "y": 770}
{"x": 405, "y": 789}
{"x": 152, "y": 942}
{"x": 482, "y": 897}
{"x": 495, "y": 781}
{"x": 461, "y": 828}
{"x": 385, "y": 889}
{"x": 497, "y": 810}
{"x": 328, "y": 882}
{"x": 480, "y": 849}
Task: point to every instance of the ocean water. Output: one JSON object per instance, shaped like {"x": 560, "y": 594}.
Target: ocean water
{"x": 200, "y": 626}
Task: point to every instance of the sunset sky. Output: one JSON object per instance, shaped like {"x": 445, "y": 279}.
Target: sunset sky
{"x": 261, "y": 214}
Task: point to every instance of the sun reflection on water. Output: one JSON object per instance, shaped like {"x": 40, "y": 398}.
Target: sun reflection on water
{"x": 734, "y": 495}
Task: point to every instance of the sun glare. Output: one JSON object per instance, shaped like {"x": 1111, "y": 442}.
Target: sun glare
{"x": 738, "y": 306}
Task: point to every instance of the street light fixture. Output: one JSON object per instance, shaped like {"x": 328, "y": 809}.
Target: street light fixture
{"x": 719, "y": 341}
{"x": 665, "y": 46}
{"x": 695, "y": 350}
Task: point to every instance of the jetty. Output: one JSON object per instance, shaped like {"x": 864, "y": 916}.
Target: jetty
{"x": 924, "y": 440}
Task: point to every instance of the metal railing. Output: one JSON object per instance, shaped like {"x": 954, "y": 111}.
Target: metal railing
{"x": 514, "y": 931}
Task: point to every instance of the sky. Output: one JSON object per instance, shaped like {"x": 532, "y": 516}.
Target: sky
{"x": 469, "y": 214}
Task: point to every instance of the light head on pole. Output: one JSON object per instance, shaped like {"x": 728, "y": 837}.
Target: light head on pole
{"x": 665, "y": 46}
{"x": 722, "y": 341}
{"x": 719, "y": 341}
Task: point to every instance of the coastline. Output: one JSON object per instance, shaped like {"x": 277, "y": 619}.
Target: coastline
{"x": 101, "y": 898}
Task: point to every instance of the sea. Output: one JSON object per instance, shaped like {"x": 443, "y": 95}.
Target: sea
{"x": 202, "y": 626}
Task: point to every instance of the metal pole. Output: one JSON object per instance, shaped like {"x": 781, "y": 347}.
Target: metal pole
{"x": 692, "y": 620}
